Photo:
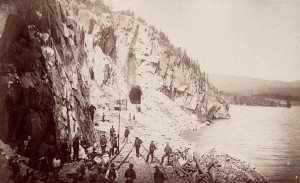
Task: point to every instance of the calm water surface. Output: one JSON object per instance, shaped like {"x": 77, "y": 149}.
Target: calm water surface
{"x": 268, "y": 137}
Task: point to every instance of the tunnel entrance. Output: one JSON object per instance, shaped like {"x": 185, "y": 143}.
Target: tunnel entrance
{"x": 135, "y": 95}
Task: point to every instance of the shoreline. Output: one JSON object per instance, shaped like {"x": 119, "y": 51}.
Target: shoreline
{"x": 142, "y": 129}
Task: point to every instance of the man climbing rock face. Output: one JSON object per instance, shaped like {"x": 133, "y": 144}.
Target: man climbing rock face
{"x": 137, "y": 144}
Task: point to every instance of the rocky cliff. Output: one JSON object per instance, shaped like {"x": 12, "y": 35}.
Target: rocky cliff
{"x": 60, "y": 57}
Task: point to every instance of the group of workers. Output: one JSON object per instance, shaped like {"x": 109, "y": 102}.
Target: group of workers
{"x": 109, "y": 172}
{"x": 106, "y": 171}
{"x": 137, "y": 143}
{"x": 111, "y": 175}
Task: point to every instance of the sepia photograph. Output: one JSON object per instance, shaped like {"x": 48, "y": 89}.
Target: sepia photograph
{"x": 149, "y": 91}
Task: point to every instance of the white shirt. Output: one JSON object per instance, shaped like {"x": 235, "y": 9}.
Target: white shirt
{"x": 56, "y": 163}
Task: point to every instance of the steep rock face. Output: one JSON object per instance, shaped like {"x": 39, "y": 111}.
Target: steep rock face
{"x": 149, "y": 60}
{"x": 59, "y": 57}
{"x": 46, "y": 78}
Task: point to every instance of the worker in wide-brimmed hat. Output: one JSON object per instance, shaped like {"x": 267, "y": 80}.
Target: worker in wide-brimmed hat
{"x": 112, "y": 173}
{"x": 152, "y": 147}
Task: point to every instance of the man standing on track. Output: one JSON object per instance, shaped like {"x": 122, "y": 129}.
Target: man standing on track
{"x": 130, "y": 174}
{"x": 112, "y": 132}
{"x": 152, "y": 147}
{"x": 114, "y": 145}
{"x": 137, "y": 144}
{"x": 168, "y": 152}
{"x": 103, "y": 143}
{"x": 126, "y": 134}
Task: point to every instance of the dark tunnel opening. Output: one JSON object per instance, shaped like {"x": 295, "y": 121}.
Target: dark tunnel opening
{"x": 135, "y": 95}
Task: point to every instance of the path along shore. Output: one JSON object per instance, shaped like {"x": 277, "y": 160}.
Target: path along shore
{"x": 222, "y": 167}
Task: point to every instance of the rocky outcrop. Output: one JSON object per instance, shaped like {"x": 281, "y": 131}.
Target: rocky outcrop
{"x": 45, "y": 81}
{"x": 222, "y": 168}
{"x": 59, "y": 57}
{"x": 149, "y": 60}
{"x": 108, "y": 42}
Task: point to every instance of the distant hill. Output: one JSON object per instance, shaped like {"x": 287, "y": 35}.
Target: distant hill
{"x": 248, "y": 86}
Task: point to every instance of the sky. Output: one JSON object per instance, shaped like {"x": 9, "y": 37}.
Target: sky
{"x": 255, "y": 38}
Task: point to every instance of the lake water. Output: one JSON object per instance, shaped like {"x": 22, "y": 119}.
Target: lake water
{"x": 267, "y": 137}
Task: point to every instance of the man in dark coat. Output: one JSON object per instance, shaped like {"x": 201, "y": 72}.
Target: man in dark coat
{"x": 152, "y": 147}
{"x": 64, "y": 149}
{"x": 130, "y": 174}
{"x": 103, "y": 143}
{"x": 112, "y": 174}
{"x": 76, "y": 148}
{"x": 158, "y": 175}
{"x": 14, "y": 165}
{"x": 93, "y": 154}
{"x": 103, "y": 117}
{"x": 137, "y": 144}
{"x": 126, "y": 134}
{"x": 44, "y": 167}
{"x": 168, "y": 152}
